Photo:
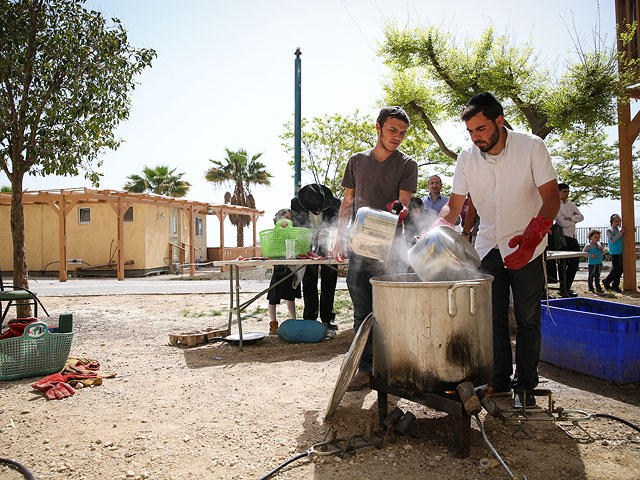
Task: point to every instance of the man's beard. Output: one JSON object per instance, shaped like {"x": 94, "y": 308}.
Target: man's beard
{"x": 493, "y": 139}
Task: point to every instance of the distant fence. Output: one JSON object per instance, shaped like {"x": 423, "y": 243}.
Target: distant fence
{"x": 582, "y": 235}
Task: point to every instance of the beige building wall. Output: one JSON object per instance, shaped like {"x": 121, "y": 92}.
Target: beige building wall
{"x": 146, "y": 238}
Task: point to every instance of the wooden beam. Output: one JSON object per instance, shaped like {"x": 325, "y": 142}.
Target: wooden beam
{"x": 192, "y": 241}
{"x": 120, "y": 267}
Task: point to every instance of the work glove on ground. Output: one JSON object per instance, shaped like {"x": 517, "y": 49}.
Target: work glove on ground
{"x": 398, "y": 208}
{"x": 58, "y": 385}
{"x": 527, "y": 242}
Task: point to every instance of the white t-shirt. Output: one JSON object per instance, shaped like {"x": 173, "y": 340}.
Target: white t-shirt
{"x": 569, "y": 209}
{"x": 504, "y": 188}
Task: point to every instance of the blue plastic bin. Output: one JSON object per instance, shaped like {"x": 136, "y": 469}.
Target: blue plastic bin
{"x": 598, "y": 338}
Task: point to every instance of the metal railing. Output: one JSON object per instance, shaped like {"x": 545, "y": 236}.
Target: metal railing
{"x": 583, "y": 232}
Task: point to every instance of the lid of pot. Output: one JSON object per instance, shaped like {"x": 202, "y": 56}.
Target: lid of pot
{"x": 457, "y": 246}
{"x": 349, "y": 365}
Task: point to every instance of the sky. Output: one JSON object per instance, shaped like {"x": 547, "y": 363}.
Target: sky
{"x": 224, "y": 77}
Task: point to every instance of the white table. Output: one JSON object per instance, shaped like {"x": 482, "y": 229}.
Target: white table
{"x": 563, "y": 255}
{"x": 235, "y": 265}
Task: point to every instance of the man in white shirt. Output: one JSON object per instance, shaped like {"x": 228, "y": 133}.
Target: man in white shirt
{"x": 513, "y": 184}
{"x": 567, "y": 217}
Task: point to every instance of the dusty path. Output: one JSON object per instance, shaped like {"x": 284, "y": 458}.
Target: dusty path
{"x": 214, "y": 412}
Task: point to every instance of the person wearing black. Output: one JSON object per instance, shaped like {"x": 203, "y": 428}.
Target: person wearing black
{"x": 317, "y": 208}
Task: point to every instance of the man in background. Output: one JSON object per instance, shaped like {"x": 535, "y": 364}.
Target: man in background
{"x": 317, "y": 208}
{"x": 434, "y": 200}
{"x": 567, "y": 218}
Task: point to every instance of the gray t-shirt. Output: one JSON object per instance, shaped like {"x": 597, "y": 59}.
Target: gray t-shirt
{"x": 378, "y": 183}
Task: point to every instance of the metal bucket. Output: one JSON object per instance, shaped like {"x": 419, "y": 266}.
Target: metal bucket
{"x": 430, "y": 336}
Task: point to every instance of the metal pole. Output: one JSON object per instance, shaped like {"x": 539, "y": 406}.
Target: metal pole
{"x": 297, "y": 129}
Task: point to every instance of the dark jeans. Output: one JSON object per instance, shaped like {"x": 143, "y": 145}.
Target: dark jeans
{"x": 361, "y": 269}
{"x": 594, "y": 276}
{"x": 568, "y": 267}
{"x": 616, "y": 271}
{"x": 328, "y": 280}
{"x": 527, "y": 285}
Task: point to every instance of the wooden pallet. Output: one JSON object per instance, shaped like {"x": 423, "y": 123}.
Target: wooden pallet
{"x": 191, "y": 339}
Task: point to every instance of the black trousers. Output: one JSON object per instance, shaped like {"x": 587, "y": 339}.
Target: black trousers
{"x": 568, "y": 267}
{"x": 616, "y": 271}
{"x": 328, "y": 280}
{"x": 594, "y": 276}
{"x": 361, "y": 269}
{"x": 527, "y": 285}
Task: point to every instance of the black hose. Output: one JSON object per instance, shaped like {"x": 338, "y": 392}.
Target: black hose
{"x": 281, "y": 466}
{"x": 18, "y": 466}
{"x": 611, "y": 417}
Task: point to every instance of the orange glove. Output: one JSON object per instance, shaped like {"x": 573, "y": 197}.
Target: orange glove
{"x": 527, "y": 242}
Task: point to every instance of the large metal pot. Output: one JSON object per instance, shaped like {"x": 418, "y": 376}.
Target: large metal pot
{"x": 443, "y": 254}
{"x": 430, "y": 336}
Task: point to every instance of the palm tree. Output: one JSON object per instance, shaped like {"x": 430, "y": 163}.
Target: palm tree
{"x": 239, "y": 171}
{"x": 160, "y": 180}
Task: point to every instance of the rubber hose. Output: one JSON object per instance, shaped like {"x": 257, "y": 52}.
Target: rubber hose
{"x": 611, "y": 417}
{"x": 18, "y": 466}
{"x": 281, "y": 466}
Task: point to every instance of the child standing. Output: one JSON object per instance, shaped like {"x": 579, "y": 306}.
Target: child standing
{"x": 614, "y": 239}
{"x": 594, "y": 249}
{"x": 285, "y": 290}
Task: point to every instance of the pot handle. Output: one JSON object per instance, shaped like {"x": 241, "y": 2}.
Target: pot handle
{"x": 451, "y": 297}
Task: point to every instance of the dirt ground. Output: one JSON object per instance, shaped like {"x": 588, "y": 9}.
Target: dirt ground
{"x": 214, "y": 412}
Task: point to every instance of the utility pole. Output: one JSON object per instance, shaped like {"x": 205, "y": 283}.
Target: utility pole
{"x": 297, "y": 129}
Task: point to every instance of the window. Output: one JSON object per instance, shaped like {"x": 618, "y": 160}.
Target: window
{"x": 174, "y": 225}
{"x": 84, "y": 215}
{"x": 198, "y": 226}
{"x": 128, "y": 216}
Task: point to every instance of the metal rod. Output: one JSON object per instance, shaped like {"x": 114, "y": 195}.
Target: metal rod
{"x": 297, "y": 129}
{"x": 493, "y": 450}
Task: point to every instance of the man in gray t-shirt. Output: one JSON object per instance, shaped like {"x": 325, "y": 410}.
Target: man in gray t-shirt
{"x": 375, "y": 178}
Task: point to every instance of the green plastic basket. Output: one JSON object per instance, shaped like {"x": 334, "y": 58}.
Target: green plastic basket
{"x": 272, "y": 242}
{"x": 36, "y": 352}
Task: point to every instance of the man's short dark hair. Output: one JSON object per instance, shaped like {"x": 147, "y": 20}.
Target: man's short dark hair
{"x": 415, "y": 202}
{"x": 562, "y": 186}
{"x": 393, "y": 112}
{"x": 484, "y": 103}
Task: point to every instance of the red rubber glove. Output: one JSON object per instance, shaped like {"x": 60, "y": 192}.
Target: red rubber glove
{"x": 527, "y": 242}
{"x": 440, "y": 222}
{"x": 398, "y": 208}
{"x": 56, "y": 386}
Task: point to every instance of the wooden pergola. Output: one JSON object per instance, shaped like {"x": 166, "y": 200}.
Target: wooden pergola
{"x": 627, "y": 12}
{"x": 63, "y": 200}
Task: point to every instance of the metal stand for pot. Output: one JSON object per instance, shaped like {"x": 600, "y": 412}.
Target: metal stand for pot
{"x": 450, "y": 404}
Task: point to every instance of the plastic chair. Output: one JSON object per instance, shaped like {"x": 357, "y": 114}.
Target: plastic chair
{"x": 14, "y": 296}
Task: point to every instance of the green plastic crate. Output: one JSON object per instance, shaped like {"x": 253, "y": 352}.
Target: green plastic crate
{"x": 272, "y": 242}
{"x": 36, "y": 352}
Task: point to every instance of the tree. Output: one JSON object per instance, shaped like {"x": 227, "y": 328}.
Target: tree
{"x": 434, "y": 74}
{"x": 589, "y": 165}
{"x": 329, "y": 141}
{"x": 65, "y": 80}
{"x": 239, "y": 171}
{"x": 5, "y": 189}
{"x": 158, "y": 180}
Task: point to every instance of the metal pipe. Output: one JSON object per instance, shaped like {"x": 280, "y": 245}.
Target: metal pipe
{"x": 297, "y": 128}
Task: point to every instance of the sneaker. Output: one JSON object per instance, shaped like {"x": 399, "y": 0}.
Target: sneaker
{"x": 572, "y": 293}
{"x": 361, "y": 380}
{"x": 616, "y": 289}
{"x": 591, "y": 290}
{"x": 331, "y": 325}
{"x": 519, "y": 400}
{"x": 599, "y": 290}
